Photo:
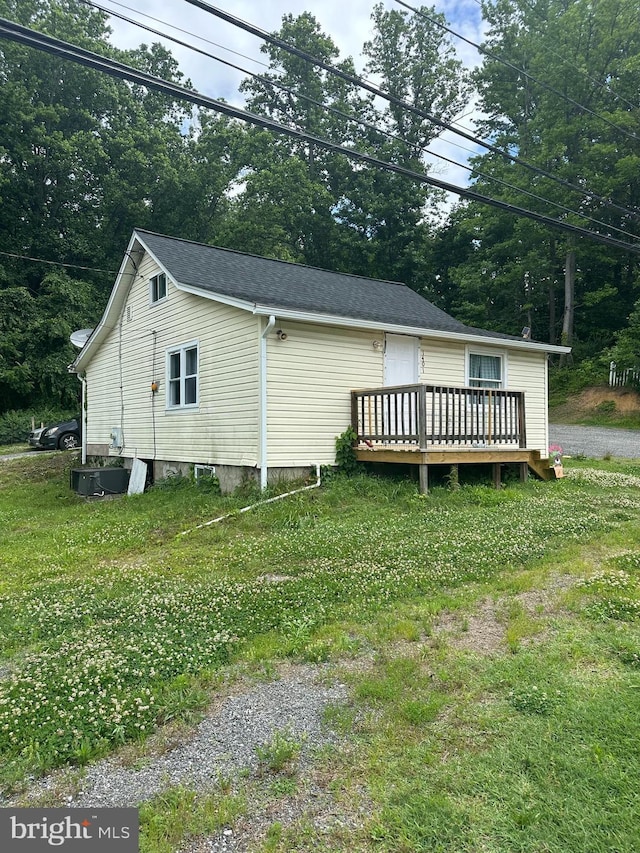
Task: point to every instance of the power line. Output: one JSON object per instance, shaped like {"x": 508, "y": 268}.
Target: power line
{"x": 55, "y": 263}
{"x": 526, "y": 74}
{"x": 49, "y": 44}
{"x": 167, "y": 24}
{"x": 370, "y": 87}
{"x": 368, "y": 125}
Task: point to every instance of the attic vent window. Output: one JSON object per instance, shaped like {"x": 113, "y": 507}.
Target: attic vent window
{"x": 158, "y": 287}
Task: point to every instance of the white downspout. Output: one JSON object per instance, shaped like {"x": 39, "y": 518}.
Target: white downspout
{"x": 83, "y": 420}
{"x": 263, "y": 401}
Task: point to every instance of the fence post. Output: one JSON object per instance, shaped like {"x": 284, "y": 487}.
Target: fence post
{"x": 612, "y": 374}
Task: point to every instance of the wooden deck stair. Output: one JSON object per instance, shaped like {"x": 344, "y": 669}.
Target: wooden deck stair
{"x": 541, "y": 467}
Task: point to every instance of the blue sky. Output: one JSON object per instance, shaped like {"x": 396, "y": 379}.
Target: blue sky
{"x": 348, "y": 22}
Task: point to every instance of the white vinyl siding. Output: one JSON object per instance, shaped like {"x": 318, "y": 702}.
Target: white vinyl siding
{"x": 310, "y": 379}
{"x": 223, "y": 428}
{"x": 442, "y": 362}
{"x": 528, "y": 373}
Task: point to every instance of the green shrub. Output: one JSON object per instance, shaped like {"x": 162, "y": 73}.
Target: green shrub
{"x": 345, "y": 453}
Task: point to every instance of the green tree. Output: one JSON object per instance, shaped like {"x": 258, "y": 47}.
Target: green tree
{"x": 570, "y": 55}
{"x": 356, "y": 218}
{"x": 83, "y": 160}
{"x": 291, "y": 188}
{"x": 35, "y": 349}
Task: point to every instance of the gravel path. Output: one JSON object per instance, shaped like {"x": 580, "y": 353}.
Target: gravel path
{"x": 223, "y": 745}
{"x": 596, "y": 442}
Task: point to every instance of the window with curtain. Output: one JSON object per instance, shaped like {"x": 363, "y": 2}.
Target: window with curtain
{"x": 485, "y": 371}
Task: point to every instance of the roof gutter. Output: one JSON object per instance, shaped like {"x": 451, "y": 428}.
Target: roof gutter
{"x": 263, "y": 401}
{"x": 469, "y": 337}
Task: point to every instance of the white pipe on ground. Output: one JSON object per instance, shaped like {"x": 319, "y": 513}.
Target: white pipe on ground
{"x": 253, "y": 506}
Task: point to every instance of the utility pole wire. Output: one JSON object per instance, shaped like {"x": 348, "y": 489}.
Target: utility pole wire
{"x": 49, "y": 44}
{"x": 266, "y": 81}
{"x": 526, "y": 74}
{"x": 167, "y": 24}
{"x": 387, "y": 96}
{"x": 55, "y": 263}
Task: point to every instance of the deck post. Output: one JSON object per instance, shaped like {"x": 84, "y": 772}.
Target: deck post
{"x": 454, "y": 477}
{"x": 522, "y": 423}
{"x": 524, "y": 472}
{"x": 354, "y": 414}
{"x": 424, "y": 479}
{"x": 497, "y": 475}
{"x": 422, "y": 418}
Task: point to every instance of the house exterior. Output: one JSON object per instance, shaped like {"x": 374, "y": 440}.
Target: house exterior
{"x": 207, "y": 356}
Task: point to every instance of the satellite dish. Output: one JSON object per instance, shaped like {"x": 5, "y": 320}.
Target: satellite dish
{"x": 79, "y": 338}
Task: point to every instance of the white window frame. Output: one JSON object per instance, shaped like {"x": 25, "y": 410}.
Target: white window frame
{"x": 154, "y": 299}
{"x": 183, "y": 377}
{"x": 492, "y": 353}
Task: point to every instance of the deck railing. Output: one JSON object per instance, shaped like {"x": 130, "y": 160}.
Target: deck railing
{"x": 427, "y": 415}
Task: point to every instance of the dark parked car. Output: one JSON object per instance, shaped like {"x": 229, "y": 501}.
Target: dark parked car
{"x": 62, "y": 436}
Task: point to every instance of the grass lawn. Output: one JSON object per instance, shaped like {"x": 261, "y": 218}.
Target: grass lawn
{"x": 515, "y": 728}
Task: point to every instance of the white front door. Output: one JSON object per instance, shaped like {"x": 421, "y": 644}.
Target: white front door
{"x": 400, "y": 368}
{"x": 401, "y": 360}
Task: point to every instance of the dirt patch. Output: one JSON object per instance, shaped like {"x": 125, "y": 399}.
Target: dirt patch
{"x": 544, "y": 601}
{"x": 479, "y": 632}
{"x": 484, "y": 630}
{"x": 592, "y": 401}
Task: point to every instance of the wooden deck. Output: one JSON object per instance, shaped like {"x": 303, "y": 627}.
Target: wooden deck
{"x": 438, "y": 425}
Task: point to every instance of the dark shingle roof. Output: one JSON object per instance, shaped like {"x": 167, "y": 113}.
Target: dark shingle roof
{"x": 281, "y": 285}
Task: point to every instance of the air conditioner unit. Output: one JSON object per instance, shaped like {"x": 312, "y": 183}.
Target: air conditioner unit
{"x": 98, "y": 482}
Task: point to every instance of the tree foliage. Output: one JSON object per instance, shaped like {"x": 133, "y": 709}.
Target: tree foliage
{"x": 564, "y": 103}
{"x": 84, "y": 159}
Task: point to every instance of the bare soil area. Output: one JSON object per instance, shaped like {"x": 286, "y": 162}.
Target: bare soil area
{"x": 597, "y": 401}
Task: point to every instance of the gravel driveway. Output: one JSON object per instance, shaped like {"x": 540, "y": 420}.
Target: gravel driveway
{"x": 595, "y": 442}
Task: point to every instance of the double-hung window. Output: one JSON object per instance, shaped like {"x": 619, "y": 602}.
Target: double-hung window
{"x": 158, "y": 287}
{"x": 485, "y": 371}
{"x": 182, "y": 376}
